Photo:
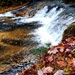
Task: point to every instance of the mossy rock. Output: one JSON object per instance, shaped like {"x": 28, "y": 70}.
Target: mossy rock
{"x": 70, "y": 31}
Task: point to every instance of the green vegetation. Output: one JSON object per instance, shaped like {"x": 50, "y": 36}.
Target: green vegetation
{"x": 48, "y": 45}
{"x": 67, "y": 70}
{"x": 73, "y": 54}
{"x": 39, "y": 51}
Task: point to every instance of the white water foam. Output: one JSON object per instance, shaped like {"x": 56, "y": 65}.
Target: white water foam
{"x": 53, "y": 24}
{"x": 7, "y": 14}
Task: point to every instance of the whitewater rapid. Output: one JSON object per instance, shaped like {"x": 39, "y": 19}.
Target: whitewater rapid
{"x": 53, "y": 24}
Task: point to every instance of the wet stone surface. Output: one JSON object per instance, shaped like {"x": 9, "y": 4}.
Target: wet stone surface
{"x": 15, "y": 43}
{"x": 19, "y": 67}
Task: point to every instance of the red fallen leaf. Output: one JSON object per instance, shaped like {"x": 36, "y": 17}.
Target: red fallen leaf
{"x": 61, "y": 63}
{"x": 69, "y": 40}
{"x": 50, "y": 58}
{"x": 30, "y": 71}
{"x": 60, "y": 44}
{"x": 65, "y": 46}
{"x": 48, "y": 70}
{"x": 73, "y": 71}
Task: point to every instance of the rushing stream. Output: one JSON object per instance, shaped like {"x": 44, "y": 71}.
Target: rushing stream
{"x": 37, "y": 26}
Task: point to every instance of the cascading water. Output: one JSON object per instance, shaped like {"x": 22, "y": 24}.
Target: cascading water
{"x": 53, "y": 22}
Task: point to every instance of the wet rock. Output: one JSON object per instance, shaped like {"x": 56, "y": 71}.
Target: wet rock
{"x": 57, "y": 4}
{"x": 50, "y": 7}
{"x": 3, "y": 48}
{"x": 20, "y": 67}
{"x": 18, "y": 42}
{"x": 4, "y": 68}
{"x": 32, "y": 13}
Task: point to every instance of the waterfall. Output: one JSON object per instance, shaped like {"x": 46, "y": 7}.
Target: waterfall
{"x": 53, "y": 25}
{"x": 53, "y": 21}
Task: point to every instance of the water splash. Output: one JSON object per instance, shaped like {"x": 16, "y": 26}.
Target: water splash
{"x": 53, "y": 25}
{"x": 7, "y": 14}
{"x": 53, "y": 22}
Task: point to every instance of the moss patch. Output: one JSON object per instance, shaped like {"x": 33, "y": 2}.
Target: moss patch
{"x": 39, "y": 51}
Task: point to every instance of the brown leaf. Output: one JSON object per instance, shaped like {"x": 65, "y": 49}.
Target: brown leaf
{"x": 61, "y": 63}
{"x": 70, "y": 55}
{"x": 70, "y": 62}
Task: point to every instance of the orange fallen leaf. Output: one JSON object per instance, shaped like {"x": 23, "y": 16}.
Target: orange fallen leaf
{"x": 70, "y": 62}
{"x": 70, "y": 55}
{"x": 61, "y": 63}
